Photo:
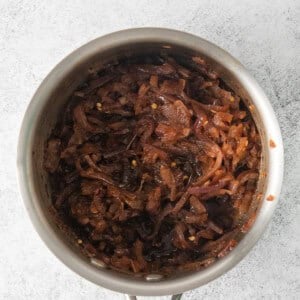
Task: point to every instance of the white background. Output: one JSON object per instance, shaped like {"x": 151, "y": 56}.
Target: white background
{"x": 35, "y": 35}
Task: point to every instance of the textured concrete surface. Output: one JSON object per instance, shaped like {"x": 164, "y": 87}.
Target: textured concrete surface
{"x": 35, "y": 35}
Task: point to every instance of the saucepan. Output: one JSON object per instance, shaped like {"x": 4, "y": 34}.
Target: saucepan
{"x": 49, "y": 100}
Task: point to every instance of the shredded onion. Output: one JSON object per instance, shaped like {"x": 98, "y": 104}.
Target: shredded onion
{"x": 154, "y": 165}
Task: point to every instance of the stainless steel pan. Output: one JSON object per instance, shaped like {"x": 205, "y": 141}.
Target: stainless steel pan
{"x": 50, "y": 98}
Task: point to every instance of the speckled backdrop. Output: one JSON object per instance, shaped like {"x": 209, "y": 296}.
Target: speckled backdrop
{"x": 35, "y": 35}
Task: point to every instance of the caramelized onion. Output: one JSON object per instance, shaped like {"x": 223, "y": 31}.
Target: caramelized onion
{"x": 154, "y": 165}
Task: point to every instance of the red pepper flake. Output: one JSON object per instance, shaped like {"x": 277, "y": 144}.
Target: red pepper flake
{"x": 270, "y": 198}
{"x": 272, "y": 144}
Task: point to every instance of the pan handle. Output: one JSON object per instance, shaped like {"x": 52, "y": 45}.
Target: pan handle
{"x": 174, "y": 297}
